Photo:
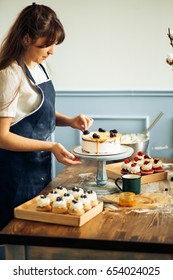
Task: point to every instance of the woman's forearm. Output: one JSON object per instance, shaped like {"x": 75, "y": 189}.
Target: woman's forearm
{"x": 62, "y": 120}
{"x": 17, "y": 143}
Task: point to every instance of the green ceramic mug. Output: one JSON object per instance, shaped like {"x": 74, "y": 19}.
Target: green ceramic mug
{"x": 130, "y": 183}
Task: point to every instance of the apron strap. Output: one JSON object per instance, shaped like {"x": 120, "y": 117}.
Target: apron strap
{"x": 31, "y": 77}
{"x": 29, "y": 74}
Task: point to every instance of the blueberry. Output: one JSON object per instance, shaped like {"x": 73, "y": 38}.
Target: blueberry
{"x": 114, "y": 130}
{"x": 112, "y": 134}
{"x": 96, "y": 136}
{"x": 58, "y": 198}
{"x": 101, "y": 130}
{"x": 86, "y": 132}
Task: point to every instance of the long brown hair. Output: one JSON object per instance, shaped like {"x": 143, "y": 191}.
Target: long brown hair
{"x": 35, "y": 20}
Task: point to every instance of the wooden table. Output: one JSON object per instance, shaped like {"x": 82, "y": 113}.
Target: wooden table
{"x": 130, "y": 235}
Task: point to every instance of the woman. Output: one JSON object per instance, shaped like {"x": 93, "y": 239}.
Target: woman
{"x": 27, "y": 109}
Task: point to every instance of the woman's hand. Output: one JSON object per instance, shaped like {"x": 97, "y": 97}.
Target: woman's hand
{"x": 81, "y": 122}
{"x": 63, "y": 156}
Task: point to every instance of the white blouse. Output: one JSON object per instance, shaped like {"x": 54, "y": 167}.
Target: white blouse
{"x": 27, "y": 99}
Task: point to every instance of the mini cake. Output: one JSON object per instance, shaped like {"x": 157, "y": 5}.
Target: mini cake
{"x": 140, "y": 155}
{"x": 157, "y": 165}
{"x": 59, "y": 206}
{"x": 85, "y": 201}
{"x": 60, "y": 190}
{"x": 135, "y": 168}
{"x": 126, "y": 166}
{"x": 93, "y": 197}
{"x": 148, "y": 158}
{"x": 68, "y": 197}
{"x": 52, "y": 196}
{"x": 101, "y": 142}
{"x": 127, "y": 199}
{"x": 76, "y": 192}
{"x": 43, "y": 203}
{"x": 76, "y": 208}
{"x": 147, "y": 168}
{"x": 138, "y": 160}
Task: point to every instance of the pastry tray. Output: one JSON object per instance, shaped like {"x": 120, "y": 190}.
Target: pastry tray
{"x": 114, "y": 170}
{"x": 28, "y": 211}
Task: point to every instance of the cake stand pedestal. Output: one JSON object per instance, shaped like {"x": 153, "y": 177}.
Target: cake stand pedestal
{"x": 102, "y": 185}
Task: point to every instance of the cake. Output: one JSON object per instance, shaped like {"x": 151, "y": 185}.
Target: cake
{"x": 93, "y": 197}
{"x": 135, "y": 169}
{"x": 52, "y": 196}
{"x": 148, "y": 158}
{"x": 59, "y": 206}
{"x": 76, "y": 208}
{"x": 127, "y": 199}
{"x": 125, "y": 168}
{"x": 101, "y": 142}
{"x": 60, "y": 190}
{"x": 68, "y": 197}
{"x": 138, "y": 160}
{"x": 85, "y": 201}
{"x": 76, "y": 192}
{"x": 43, "y": 203}
{"x": 147, "y": 168}
{"x": 140, "y": 155}
{"x": 157, "y": 165}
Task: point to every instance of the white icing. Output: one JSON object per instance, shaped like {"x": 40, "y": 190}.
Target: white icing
{"x": 85, "y": 200}
{"x": 60, "y": 191}
{"x": 53, "y": 196}
{"x": 158, "y": 164}
{"x": 147, "y": 166}
{"x": 135, "y": 169}
{"x": 76, "y": 193}
{"x": 126, "y": 165}
{"x": 41, "y": 202}
{"x": 76, "y": 206}
{"x": 60, "y": 204}
{"x": 92, "y": 196}
{"x": 140, "y": 161}
{"x": 68, "y": 198}
{"x": 133, "y": 138}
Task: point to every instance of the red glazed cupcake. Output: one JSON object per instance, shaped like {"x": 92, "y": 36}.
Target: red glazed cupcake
{"x": 126, "y": 166}
{"x": 138, "y": 160}
{"x": 135, "y": 169}
{"x": 157, "y": 165}
{"x": 147, "y": 168}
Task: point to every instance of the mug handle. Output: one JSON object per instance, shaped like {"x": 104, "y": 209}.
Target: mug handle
{"x": 116, "y": 183}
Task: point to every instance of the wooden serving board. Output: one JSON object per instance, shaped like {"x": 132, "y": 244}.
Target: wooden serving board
{"x": 143, "y": 201}
{"x": 28, "y": 211}
{"x": 114, "y": 171}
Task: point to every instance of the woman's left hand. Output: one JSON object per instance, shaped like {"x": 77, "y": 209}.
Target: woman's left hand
{"x": 81, "y": 122}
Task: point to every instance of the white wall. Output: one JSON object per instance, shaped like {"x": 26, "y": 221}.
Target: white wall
{"x": 110, "y": 44}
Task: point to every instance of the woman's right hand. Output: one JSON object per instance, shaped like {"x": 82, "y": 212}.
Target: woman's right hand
{"x": 63, "y": 156}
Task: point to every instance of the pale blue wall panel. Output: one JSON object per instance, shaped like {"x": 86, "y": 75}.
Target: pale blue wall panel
{"x": 128, "y": 112}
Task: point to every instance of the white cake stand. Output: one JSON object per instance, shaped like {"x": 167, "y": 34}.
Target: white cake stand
{"x": 102, "y": 185}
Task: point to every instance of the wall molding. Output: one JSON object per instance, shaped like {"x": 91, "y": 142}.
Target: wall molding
{"x": 114, "y": 93}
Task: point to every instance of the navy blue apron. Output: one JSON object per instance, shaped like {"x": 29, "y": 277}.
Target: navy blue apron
{"x": 24, "y": 174}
